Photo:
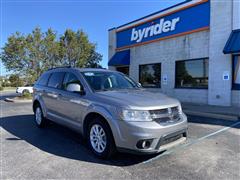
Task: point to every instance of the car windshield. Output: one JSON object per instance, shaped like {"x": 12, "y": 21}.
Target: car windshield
{"x": 105, "y": 81}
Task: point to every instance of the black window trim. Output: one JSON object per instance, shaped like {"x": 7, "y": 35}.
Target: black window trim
{"x": 46, "y": 85}
{"x": 76, "y": 77}
{"x": 160, "y": 76}
{"x": 194, "y": 59}
{"x": 233, "y": 88}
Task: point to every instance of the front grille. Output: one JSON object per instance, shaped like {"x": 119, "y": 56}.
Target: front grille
{"x": 166, "y": 115}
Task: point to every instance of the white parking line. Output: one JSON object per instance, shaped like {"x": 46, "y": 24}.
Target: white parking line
{"x": 191, "y": 142}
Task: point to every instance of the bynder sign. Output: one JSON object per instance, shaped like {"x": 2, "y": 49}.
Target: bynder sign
{"x": 180, "y": 22}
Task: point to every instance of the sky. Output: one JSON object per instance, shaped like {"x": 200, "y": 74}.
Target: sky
{"x": 94, "y": 17}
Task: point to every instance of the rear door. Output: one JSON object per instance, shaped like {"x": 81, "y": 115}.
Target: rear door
{"x": 40, "y": 88}
{"x": 52, "y": 93}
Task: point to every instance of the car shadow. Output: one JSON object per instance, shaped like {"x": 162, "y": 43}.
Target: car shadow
{"x": 212, "y": 121}
{"x": 61, "y": 141}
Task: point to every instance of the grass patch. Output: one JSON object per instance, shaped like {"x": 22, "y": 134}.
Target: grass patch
{"x": 26, "y": 96}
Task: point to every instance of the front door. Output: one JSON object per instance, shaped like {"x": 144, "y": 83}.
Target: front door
{"x": 72, "y": 104}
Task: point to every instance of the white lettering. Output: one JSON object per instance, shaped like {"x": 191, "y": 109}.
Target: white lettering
{"x": 152, "y": 30}
{"x": 141, "y": 34}
{"x": 174, "y": 22}
{"x": 156, "y": 29}
{"x": 166, "y": 26}
{"x": 134, "y": 36}
{"x": 148, "y": 29}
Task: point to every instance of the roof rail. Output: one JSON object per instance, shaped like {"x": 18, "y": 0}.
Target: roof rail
{"x": 59, "y": 67}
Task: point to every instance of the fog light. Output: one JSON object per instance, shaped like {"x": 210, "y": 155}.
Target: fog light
{"x": 144, "y": 144}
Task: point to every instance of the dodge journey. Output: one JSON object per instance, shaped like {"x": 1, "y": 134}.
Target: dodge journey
{"x": 110, "y": 110}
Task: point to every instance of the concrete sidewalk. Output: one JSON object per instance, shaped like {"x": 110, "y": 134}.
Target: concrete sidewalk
{"x": 218, "y": 112}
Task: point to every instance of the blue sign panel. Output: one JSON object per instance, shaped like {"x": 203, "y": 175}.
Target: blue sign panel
{"x": 187, "y": 20}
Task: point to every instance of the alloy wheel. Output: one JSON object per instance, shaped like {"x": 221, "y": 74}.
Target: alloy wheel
{"x": 98, "y": 138}
{"x": 38, "y": 115}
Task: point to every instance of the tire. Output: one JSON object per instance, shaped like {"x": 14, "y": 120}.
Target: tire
{"x": 40, "y": 120}
{"x": 105, "y": 134}
{"x": 25, "y": 91}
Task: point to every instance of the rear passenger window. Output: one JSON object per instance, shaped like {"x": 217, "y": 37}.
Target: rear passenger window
{"x": 69, "y": 79}
{"x": 56, "y": 79}
{"x": 43, "y": 79}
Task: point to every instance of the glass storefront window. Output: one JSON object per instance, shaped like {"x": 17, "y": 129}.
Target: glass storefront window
{"x": 124, "y": 70}
{"x": 150, "y": 75}
{"x": 192, "y": 73}
{"x": 236, "y": 72}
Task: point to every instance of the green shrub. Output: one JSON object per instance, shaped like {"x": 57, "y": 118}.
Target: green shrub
{"x": 1, "y": 88}
{"x": 27, "y": 96}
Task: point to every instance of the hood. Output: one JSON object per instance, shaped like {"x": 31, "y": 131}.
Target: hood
{"x": 138, "y": 99}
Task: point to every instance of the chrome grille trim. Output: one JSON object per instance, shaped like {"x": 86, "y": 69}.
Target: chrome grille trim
{"x": 166, "y": 115}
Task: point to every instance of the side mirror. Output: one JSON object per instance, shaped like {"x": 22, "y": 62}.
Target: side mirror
{"x": 74, "y": 87}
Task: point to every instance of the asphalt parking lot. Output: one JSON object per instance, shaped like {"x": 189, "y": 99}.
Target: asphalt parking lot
{"x": 212, "y": 152}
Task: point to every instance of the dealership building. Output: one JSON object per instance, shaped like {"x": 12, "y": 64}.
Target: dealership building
{"x": 190, "y": 51}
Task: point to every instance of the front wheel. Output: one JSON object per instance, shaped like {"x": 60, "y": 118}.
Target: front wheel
{"x": 38, "y": 116}
{"x": 100, "y": 139}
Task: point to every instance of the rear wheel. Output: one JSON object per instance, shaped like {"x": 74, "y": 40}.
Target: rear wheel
{"x": 25, "y": 91}
{"x": 38, "y": 116}
{"x": 100, "y": 139}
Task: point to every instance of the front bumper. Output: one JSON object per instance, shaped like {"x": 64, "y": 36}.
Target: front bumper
{"x": 161, "y": 137}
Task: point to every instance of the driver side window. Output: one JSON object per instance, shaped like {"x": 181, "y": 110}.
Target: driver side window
{"x": 70, "y": 78}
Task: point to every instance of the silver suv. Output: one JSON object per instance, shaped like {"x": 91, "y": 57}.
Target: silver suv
{"x": 110, "y": 110}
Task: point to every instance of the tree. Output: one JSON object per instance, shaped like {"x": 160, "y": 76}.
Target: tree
{"x": 30, "y": 55}
{"x": 77, "y": 50}
{"x": 94, "y": 59}
{"x": 15, "y": 80}
{"x": 35, "y": 54}
{"x": 1, "y": 83}
{"x": 14, "y": 53}
{"x": 51, "y": 50}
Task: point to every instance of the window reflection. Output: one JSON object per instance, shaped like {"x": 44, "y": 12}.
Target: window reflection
{"x": 192, "y": 73}
{"x": 236, "y": 72}
{"x": 150, "y": 75}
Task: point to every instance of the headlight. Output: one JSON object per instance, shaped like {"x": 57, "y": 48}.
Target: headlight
{"x": 135, "y": 115}
{"x": 180, "y": 109}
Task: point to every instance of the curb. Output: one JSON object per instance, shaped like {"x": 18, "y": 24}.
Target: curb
{"x": 17, "y": 101}
{"x": 212, "y": 115}
{"x": 8, "y": 100}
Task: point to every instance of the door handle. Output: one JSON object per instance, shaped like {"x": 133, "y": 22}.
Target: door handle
{"x": 52, "y": 95}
